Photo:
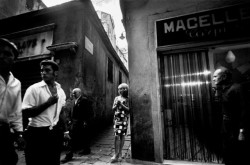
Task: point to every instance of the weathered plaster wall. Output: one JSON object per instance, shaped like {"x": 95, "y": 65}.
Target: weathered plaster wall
{"x": 139, "y": 19}
{"x": 10, "y": 8}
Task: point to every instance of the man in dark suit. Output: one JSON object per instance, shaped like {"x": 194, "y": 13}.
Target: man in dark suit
{"x": 79, "y": 126}
{"x": 233, "y": 97}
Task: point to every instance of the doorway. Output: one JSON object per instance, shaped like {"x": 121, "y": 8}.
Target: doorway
{"x": 191, "y": 131}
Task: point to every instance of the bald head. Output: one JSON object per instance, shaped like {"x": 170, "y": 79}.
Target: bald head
{"x": 77, "y": 92}
{"x": 222, "y": 76}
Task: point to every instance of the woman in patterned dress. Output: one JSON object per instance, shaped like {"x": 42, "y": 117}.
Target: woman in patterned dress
{"x": 121, "y": 111}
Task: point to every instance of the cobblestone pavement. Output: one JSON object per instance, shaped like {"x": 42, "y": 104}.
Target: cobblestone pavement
{"x": 102, "y": 149}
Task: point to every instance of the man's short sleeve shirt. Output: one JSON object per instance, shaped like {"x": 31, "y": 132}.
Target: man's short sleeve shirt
{"x": 38, "y": 94}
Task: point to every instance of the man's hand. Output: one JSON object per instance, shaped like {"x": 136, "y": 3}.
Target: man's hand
{"x": 52, "y": 100}
{"x": 20, "y": 143}
{"x": 19, "y": 140}
{"x": 241, "y": 136}
{"x": 36, "y": 110}
{"x": 66, "y": 136}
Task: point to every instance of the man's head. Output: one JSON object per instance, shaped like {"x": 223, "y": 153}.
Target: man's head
{"x": 49, "y": 70}
{"x": 222, "y": 76}
{"x": 8, "y": 54}
{"x": 76, "y": 92}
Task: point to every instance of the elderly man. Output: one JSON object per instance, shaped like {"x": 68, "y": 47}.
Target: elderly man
{"x": 42, "y": 104}
{"x": 234, "y": 107}
{"x": 79, "y": 131}
{"x": 10, "y": 103}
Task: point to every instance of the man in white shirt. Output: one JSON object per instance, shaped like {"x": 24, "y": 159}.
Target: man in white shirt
{"x": 10, "y": 103}
{"x": 42, "y": 104}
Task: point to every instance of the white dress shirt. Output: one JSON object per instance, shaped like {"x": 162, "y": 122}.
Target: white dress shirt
{"x": 11, "y": 103}
{"x": 77, "y": 99}
{"x": 38, "y": 94}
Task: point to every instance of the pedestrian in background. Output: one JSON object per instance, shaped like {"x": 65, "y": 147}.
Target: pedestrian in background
{"x": 233, "y": 101}
{"x": 78, "y": 132}
{"x": 10, "y": 103}
{"x": 42, "y": 104}
{"x": 121, "y": 111}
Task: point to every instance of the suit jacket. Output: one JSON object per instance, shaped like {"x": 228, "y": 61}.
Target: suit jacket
{"x": 233, "y": 108}
{"x": 82, "y": 110}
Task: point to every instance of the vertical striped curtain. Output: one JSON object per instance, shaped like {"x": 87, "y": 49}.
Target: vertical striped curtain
{"x": 190, "y": 123}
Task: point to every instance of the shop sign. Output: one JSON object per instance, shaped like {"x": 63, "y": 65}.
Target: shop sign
{"x": 220, "y": 24}
{"x": 35, "y": 44}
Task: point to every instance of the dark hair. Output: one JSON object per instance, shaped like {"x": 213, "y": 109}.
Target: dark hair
{"x": 53, "y": 64}
{"x": 4, "y": 41}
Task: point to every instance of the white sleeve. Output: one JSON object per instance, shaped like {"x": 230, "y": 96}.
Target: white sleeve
{"x": 29, "y": 99}
{"x": 63, "y": 98}
{"x": 15, "y": 118}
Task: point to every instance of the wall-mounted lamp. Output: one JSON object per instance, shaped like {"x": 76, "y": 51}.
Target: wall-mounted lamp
{"x": 230, "y": 57}
{"x": 122, "y": 35}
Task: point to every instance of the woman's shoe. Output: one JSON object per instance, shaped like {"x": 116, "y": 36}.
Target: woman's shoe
{"x": 66, "y": 159}
{"x": 114, "y": 159}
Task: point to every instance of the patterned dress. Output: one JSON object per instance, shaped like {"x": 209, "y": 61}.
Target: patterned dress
{"x": 120, "y": 117}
